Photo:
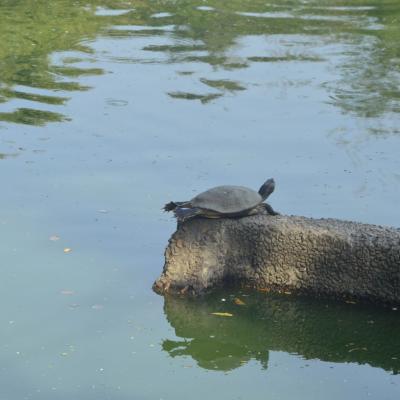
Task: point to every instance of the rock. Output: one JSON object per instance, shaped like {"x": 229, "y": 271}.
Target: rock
{"x": 325, "y": 257}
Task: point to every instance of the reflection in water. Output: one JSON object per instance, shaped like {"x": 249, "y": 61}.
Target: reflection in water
{"x": 204, "y": 98}
{"x": 16, "y": 94}
{"x": 223, "y": 84}
{"x": 31, "y": 33}
{"x": 179, "y": 32}
{"x": 29, "y": 116}
{"x": 3, "y": 155}
{"x": 326, "y": 331}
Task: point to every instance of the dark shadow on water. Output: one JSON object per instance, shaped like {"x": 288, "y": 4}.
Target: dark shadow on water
{"x": 327, "y": 331}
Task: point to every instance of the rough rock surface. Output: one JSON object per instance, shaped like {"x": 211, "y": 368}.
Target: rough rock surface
{"x": 326, "y": 257}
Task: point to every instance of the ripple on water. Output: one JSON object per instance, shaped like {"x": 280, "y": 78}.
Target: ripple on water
{"x": 205, "y": 8}
{"x": 161, "y": 15}
{"x": 107, "y": 12}
{"x": 117, "y": 102}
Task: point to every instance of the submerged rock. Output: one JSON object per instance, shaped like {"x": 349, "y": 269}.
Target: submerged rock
{"x": 326, "y": 257}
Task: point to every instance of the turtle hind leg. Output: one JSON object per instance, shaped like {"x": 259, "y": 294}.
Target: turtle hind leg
{"x": 183, "y": 214}
{"x": 269, "y": 209}
{"x": 260, "y": 209}
{"x": 173, "y": 204}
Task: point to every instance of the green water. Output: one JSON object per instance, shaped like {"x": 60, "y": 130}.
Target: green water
{"x": 109, "y": 109}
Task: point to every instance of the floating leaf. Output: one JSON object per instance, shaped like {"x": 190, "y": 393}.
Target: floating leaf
{"x": 239, "y": 302}
{"x": 67, "y": 250}
{"x": 264, "y": 289}
{"x": 222, "y": 314}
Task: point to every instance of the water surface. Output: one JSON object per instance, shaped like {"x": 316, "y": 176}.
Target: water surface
{"x": 108, "y": 110}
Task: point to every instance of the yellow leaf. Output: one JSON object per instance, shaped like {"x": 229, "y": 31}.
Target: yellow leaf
{"x": 67, "y": 250}
{"x": 222, "y": 314}
{"x": 239, "y": 302}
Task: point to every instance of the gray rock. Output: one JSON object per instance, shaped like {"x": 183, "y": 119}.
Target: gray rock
{"x": 326, "y": 257}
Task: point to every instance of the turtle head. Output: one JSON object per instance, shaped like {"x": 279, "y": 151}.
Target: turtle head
{"x": 267, "y": 188}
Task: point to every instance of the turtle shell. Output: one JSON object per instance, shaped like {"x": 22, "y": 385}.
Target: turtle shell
{"x": 227, "y": 199}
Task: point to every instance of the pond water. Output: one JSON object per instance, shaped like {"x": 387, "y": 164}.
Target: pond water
{"x": 109, "y": 109}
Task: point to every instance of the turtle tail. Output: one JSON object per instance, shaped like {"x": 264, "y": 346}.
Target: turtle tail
{"x": 183, "y": 214}
{"x": 170, "y": 206}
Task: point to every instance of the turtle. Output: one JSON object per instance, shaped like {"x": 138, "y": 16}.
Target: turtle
{"x": 224, "y": 202}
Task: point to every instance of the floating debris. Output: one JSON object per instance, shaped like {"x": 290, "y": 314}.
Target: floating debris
{"x": 239, "y": 302}
{"x": 222, "y": 314}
